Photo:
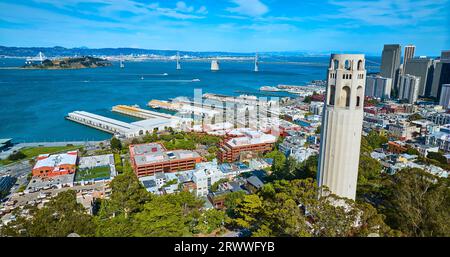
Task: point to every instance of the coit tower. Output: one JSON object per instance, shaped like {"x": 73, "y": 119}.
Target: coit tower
{"x": 342, "y": 124}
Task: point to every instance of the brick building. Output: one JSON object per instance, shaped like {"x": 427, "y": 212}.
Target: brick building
{"x": 55, "y": 164}
{"x": 148, "y": 159}
{"x": 242, "y": 141}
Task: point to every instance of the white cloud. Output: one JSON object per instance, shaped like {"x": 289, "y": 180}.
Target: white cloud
{"x": 252, "y": 8}
{"x": 202, "y": 10}
{"x": 182, "y": 7}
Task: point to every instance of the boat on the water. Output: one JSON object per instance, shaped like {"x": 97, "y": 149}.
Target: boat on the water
{"x": 195, "y": 80}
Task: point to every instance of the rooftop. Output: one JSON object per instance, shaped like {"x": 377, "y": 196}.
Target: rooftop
{"x": 154, "y": 153}
{"x": 55, "y": 160}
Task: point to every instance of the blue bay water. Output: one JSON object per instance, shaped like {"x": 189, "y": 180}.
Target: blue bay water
{"x": 33, "y": 103}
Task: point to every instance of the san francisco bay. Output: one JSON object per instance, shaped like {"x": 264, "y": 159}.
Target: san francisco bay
{"x": 33, "y": 103}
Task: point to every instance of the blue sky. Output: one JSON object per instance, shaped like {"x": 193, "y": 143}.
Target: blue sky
{"x": 228, "y": 25}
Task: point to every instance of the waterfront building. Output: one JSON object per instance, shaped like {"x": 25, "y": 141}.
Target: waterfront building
{"x": 342, "y": 124}
{"x": 5, "y": 143}
{"x": 148, "y": 159}
{"x": 409, "y": 88}
{"x": 441, "y": 74}
{"x": 242, "y": 141}
{"x": 390, "y": 61}
{"x": 378, "y": 87}
{"x": 422, "y": 68}
{"x": 55, "y": 164}
{"x": 445, "y": 96}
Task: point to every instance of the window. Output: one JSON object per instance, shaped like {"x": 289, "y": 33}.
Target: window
{"x": 335, "y": 64}
{"x": 359, "y": 96}
{"x": 345, "y": 97}
{"x": 332, "y": 94}
{"x": 360, "y": 65}
{"x": 347, "y": 65}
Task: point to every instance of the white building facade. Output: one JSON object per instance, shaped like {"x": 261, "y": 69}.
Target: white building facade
{"x": 409, "y": 88}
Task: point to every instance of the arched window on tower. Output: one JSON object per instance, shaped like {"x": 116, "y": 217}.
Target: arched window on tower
{"x": 359, "y": 96}
{"x": 360, "y": 65}
{"x": 332, "y": 95}
{"x": 345, "y": 97}
{"x": 347, "y": 65}
{"x": 335, "y": 64}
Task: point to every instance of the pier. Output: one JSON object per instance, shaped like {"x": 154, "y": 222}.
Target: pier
{"x": 140, "y": 113}
{"x": 106, "y": 124}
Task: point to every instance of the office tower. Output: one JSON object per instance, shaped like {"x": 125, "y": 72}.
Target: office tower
{"x": 441, "y": 74}
{"x": 342, "y": 124}
{"x": 408, "y": 88}
{"x": 422, "y": 68}
{"x": 409, "y": 54}
{"x": 378, "y": 87}
{"x": 445, "y": 96}
{"x": 390, "y": 61}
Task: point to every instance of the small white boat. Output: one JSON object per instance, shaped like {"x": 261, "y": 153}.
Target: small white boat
{"x": 142, "y": 77}
{"x": 165, "y": 74}
{"x": 195, "y": 80}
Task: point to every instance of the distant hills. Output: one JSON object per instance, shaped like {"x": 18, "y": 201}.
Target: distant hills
{"x": 84, "y": 51}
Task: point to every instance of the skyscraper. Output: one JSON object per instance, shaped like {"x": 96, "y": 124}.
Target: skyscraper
{"x": 409, "y": 54}
{"x": 423, "y": 68}
{"x": 342, "y": 124}
{"x": 390, "y": 63}
{"x": 441, "y": 74}
{"x": 445, "y": 96}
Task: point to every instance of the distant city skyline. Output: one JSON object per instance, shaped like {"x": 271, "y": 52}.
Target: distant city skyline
{"x": 229, "y": 25}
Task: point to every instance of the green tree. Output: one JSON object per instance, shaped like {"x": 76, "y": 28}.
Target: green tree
{"x": 58, "y": 218}
{"x": 231, "y": 202}
{"x": 16, "y": 156}
{"x": 419, "y": 203}
{"x": 211, "y": 220}
{"x": 127, "y": 197}
{"x": 116, "y": 145}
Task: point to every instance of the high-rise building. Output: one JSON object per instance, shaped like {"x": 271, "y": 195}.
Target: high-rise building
{"x": 441, "y": 74}
{"x": 378, "y": 87}
{"x": 342, "y": 124}
{"x": 409, "y": 54}
{"x": 390, "y": 62}
{"x": 422, "y": 68}
{"x": 409, "y": 88}
{"x": 445, "y": 96}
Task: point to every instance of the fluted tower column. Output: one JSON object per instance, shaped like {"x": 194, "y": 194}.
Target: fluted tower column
{"x": 342, "y": 124}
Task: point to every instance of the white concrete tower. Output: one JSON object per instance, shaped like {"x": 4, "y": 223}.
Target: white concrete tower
{"x": 342, "y": 124}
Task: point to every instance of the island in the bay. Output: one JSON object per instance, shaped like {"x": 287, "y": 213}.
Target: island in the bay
{"x": 69, "y": 63}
